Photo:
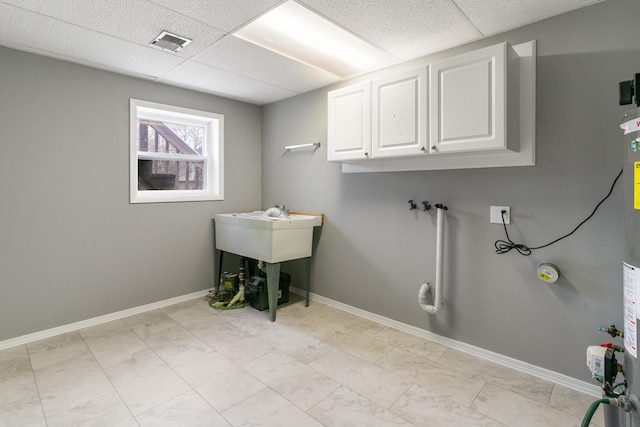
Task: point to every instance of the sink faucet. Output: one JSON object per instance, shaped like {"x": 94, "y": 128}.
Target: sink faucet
{"x": 282, "y": 208}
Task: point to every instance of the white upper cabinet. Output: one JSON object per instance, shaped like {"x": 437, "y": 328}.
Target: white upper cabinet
{"x": 349, "y": 123}
{"x": 472, "y": 96}
{"x": 473, "y": 110}
{"x": 399, "y": 114}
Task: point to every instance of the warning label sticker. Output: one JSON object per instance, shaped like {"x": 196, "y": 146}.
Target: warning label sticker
{"x": 636, "y": 185}
{"x": 631, "y": 126}
{"x": 630, "y": 291}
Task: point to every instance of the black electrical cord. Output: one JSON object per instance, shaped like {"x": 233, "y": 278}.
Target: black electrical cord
{"x": 502, "y": 246}
{"x": 618, "y": 385}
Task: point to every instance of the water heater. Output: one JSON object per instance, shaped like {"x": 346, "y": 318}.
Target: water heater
{"x": 623, "y": 395}
{"x": 621, "y": 382}
{"x": 631, "y": 266}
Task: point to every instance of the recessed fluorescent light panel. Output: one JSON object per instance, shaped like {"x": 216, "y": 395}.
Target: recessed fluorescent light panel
{"x": 294, "y": 31}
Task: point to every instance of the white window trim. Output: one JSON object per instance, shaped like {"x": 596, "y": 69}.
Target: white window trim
{"x": 214, "y": 152}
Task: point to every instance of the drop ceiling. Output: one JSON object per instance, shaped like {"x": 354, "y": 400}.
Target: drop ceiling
{"x": 114, "y": 35}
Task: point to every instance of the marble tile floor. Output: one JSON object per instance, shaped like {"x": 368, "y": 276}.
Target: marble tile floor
{"x": 190, "y": 365}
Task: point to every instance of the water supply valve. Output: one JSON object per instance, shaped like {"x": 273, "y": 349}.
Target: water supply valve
{"x": 613, "y": 346}
{"x": 425, "y": 205}
{"x": 412, "y": 205}
{"x": 612, "y": 330}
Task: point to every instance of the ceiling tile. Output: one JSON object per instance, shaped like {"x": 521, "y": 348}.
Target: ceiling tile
{"x": 497, "y": 16}
{"x": 114, "y": 35}
{"x": 25, "y": 28}
{"x": 202, "y": 77}
{"x": 241, "y": 57}
{"x": 137, "y": 21}
{"x": 406, "y": 29}
{"x": 224, "y": 14}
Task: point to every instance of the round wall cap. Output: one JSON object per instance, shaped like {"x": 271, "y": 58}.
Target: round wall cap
{"x": 548, "y": 272}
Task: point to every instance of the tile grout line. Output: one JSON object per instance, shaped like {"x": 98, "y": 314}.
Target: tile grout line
{"x": 490, "y": 382}
{"x": 485, "y": 382}
{"x": 35, "y": 383}
{"x": 339, "y": 383}
{"x": 47, "y": 418}
{"x": 159, "y": 309}
{"x": 115, "y": 389}
{"x": 476, "y": 398}
{"x": 152, "y": 350}
{"x": 542, "y": 373}
{"x": 195, "y": 390}
{"x": 438, "y": 360}
{"x": 232, "y": 361}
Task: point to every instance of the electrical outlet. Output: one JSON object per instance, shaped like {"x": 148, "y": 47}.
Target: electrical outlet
{"x": 496, "y": 214}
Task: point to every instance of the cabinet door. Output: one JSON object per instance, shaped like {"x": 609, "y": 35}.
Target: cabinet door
{"x": 468, "y": 101}
{"x": 400, "y": 114}
{"x": 349, "y": 123}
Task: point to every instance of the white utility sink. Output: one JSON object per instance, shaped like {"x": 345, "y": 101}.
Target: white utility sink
{"x": 265, "y": 238}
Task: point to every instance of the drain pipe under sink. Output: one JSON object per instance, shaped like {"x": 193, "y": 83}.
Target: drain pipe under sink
{"x": 426, "y": 286}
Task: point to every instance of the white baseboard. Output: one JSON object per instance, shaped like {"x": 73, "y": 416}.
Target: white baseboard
{"x": 545, "y": 374}
{"x": 24, "y": 339}
{"x": 564, "y": 380}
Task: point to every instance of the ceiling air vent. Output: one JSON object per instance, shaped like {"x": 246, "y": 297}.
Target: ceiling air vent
{"x": 169, "y": 41}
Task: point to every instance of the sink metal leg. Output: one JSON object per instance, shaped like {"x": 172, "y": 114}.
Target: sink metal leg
{"x": 273, "y": 284}
{"x": 307, "y": 278}
{"x": 219, "y": 272}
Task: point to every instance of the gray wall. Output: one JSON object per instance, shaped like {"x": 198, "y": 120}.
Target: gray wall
{"x": 373, "y": 253}
{"x": 71, "y": 245}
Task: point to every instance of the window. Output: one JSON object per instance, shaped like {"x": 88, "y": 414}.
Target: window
{"x": 176, "y": 154}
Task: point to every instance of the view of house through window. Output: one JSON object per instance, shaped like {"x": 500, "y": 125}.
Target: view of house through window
{"x": 173, "y": 139}
{"x": 176, "y": 153}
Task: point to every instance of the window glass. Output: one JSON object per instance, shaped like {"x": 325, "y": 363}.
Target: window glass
{"x": 176, "y": 154}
